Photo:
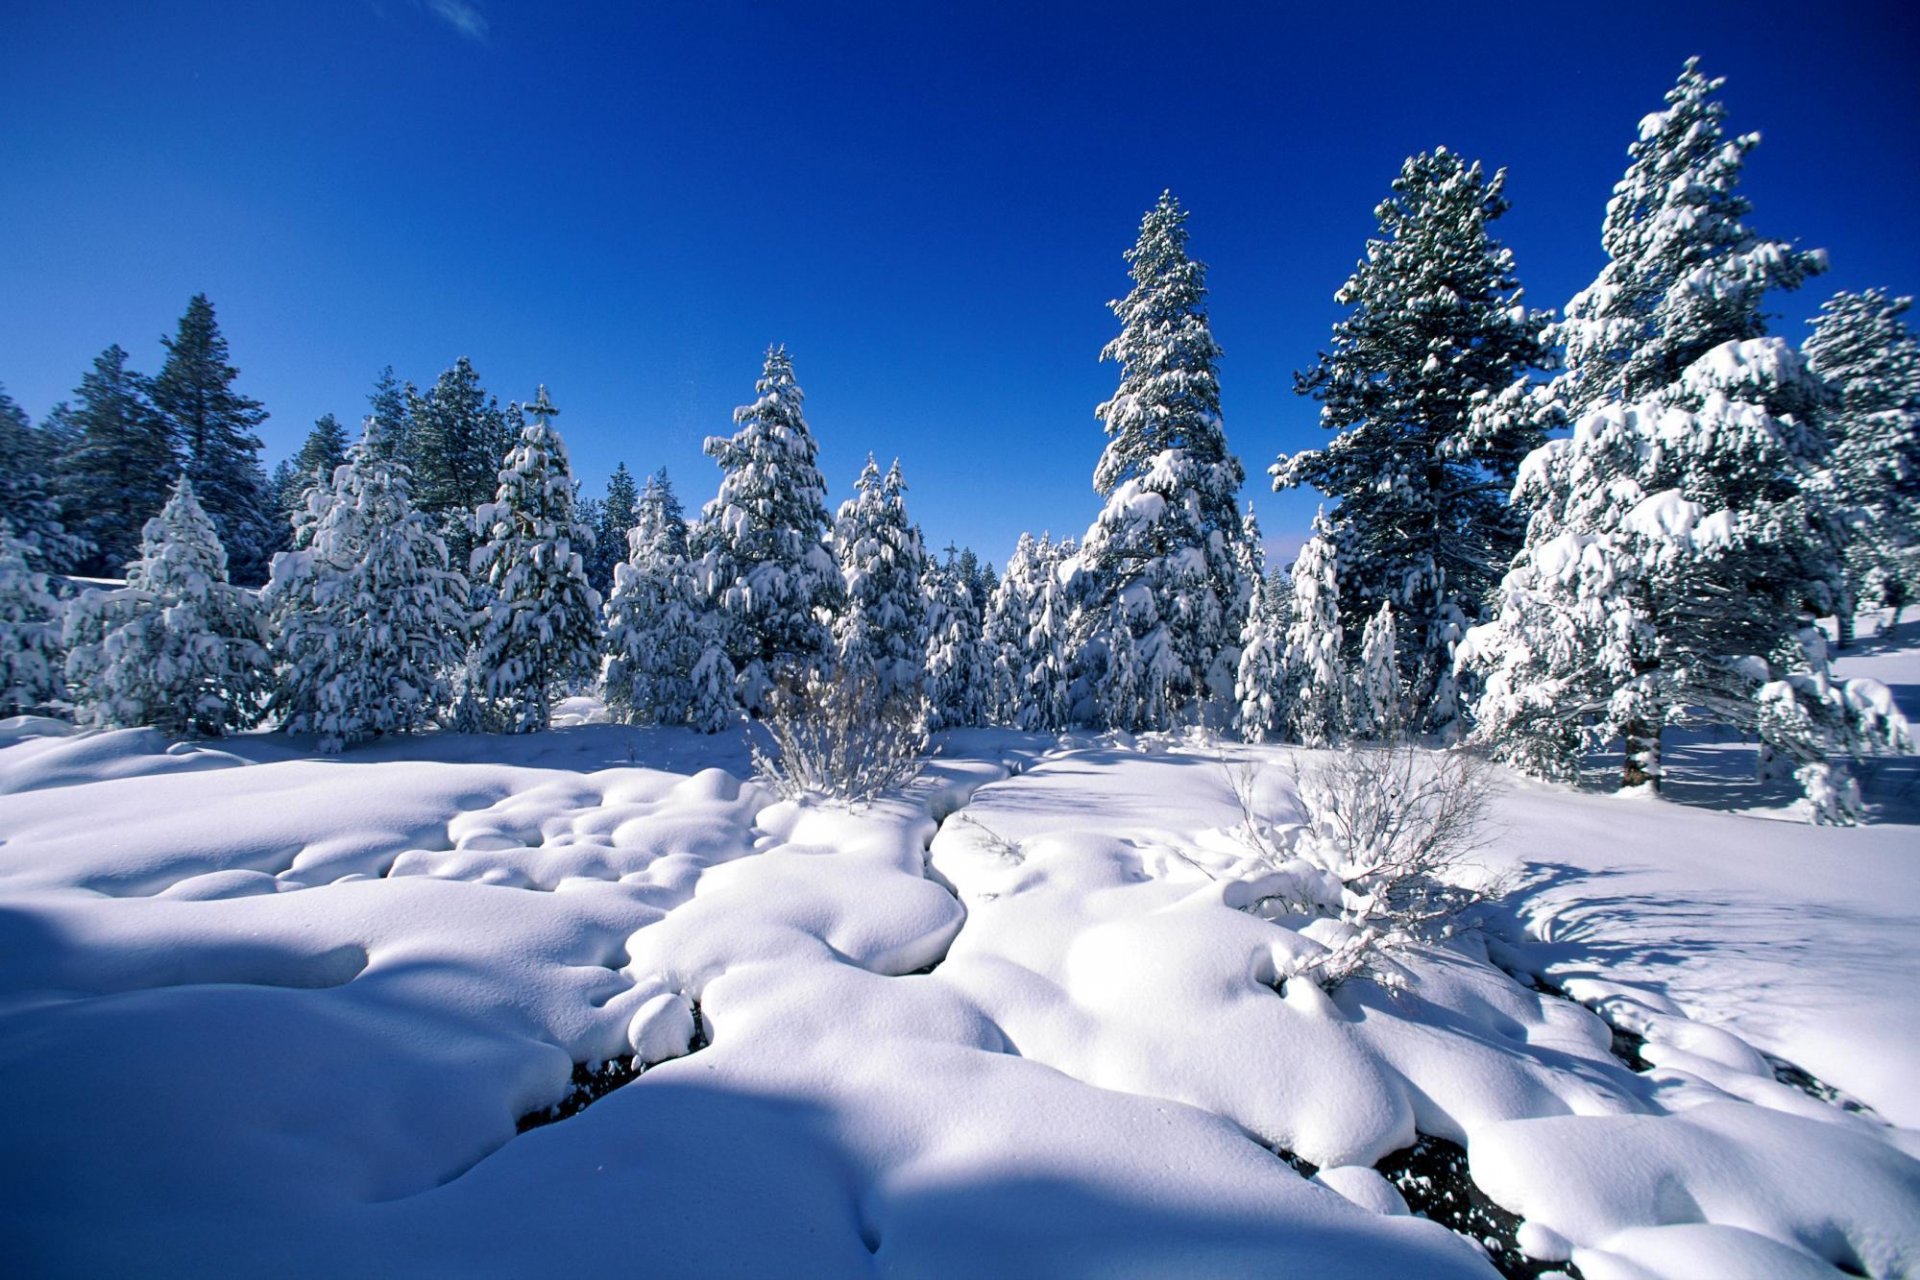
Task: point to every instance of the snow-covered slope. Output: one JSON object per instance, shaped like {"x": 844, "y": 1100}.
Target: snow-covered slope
{"x": 262, "y": 1013}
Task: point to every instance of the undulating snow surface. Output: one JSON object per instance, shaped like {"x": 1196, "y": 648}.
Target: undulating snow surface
{"x": 263, "y": 1013}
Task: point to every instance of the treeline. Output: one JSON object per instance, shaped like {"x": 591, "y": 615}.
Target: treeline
{"x": 1550, "y": 532}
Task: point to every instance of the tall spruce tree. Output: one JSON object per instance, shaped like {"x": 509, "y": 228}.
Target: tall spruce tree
{"x": 123, "y": 465}
{"x": 761, "y": 546}
{"x": 959, "y": 668}
{"x": 1421, "y": 518}
{"x": 537, "y": 628}
{"x": 1673, "y": 322}
{"x": 1870, "y": 359}
{"x": 881, "y": 632}
{"x": 178, "y": 647}
{"x": 367, "y": 617}
{"x": 217, "y": 430}
{"x": 459, "y": 434}
{"x": 1161, "y": 560}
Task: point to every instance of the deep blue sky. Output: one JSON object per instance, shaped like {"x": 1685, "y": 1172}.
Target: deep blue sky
{"x": 926, "y": 202}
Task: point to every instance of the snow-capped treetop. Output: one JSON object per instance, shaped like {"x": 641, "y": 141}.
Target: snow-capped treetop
{"x": 659, "y": 531}
{"x": 1684, "y": 273}
{"x": 1169, "y": 394}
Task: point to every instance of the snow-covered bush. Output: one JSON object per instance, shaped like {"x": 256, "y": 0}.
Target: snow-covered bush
{"x": 837, "y": 735}
{"x": 177, "y": 647}
{"x": 1379, "y": 865}
{"x": 368, "y": 621}
{"x": 29, "y": 633}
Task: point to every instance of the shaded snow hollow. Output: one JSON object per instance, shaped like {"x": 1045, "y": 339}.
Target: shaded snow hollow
{"x": 262, "y": 1013}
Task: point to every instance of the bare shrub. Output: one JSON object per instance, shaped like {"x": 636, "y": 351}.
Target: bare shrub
{"x": 1382, "y": 851}
{"x": 833, "y": 734}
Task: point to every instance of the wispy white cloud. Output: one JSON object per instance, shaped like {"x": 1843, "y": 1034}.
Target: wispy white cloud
{"x": 462, "y": 16}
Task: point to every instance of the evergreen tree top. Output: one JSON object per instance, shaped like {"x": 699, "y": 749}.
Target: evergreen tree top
{"x": 1684, "y": 273}
{"x": 194, "y": 385}
{"x": 1169, "y": 393}
{"x": 179, "y": 548}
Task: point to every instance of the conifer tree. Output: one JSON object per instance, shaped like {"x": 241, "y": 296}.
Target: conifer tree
{"x": 1161, "y": 560}
{"x": 1376, "y": 711}
{"x": 30, "y": 507}
{"x": 959, "y": 669}
{"x": 537, "y": 628}
{"x": 323, "y": 451}
{"x": 178, "y": 647}
{"x": 217, "y": 429}
{"x": 616, "y": 517}
{"x": 458, "y": 436}
{"x": 1314, "y": 677}
{"x": 1261, "y": 677}
{"x": 30, "y": 662}
{"x": 1435, "y": 330}
{"x": 390, "y": 407}
{"x": 123, "y": 465}
{"x": 657, "y": 638}
{"x": 1007, "y": 620}
{"x": 882, "y": 630}
{"x": 1046, "y": 657}
{"x": 1869, "y": 358}
{"x": 367, "y": 618}
{"x": 761, "y": 546}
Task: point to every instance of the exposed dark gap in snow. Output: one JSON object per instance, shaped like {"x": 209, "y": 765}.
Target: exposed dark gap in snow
{"x": 593, "y": 1081}
{"x": 1432, "y": 1176}
{"x": 1305, "y": 1168}
{"x": 1621, "y": 1043}
{"x": 1814, "y": 1087}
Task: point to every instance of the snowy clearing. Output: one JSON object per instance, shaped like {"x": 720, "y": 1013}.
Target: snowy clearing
{"x": 270, "y": 1013}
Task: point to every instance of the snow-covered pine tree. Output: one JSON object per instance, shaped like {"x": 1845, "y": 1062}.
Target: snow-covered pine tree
{"x": 367, "y": 618}
{"x": 123, "y": 465}
{"x": 664, "y": 662}
{"x": 1862, "y": 349}
{"x": 1436, "y": 327}
{"x": 959, "y": 668}
{"x": 30, "y": 663}
{"x": 760, "y": 545}
{"x": 1004, "y": 631}
{"x": 1046, "y": 654}
{"x": 1161, "y": 559}
{"x": 217, "y": 428}
{"x": 1314, "y": 676}
{"x": 178, "y": 647}
{"x": 30, "y": 507}
{"x": 459, "y": 434}
{"x": 1683, "y": 273}
{"x": 1261, "y": 678}
{"x": 616, "y": 518}
{"x": 1674, "y": 545}
{"x": 882, "y": 629}
{"x": 1376, "y": 713}
{"x": 538, "y": 627}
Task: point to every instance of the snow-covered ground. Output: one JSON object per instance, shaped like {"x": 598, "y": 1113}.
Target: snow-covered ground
{"x": 265, "y": 1013}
